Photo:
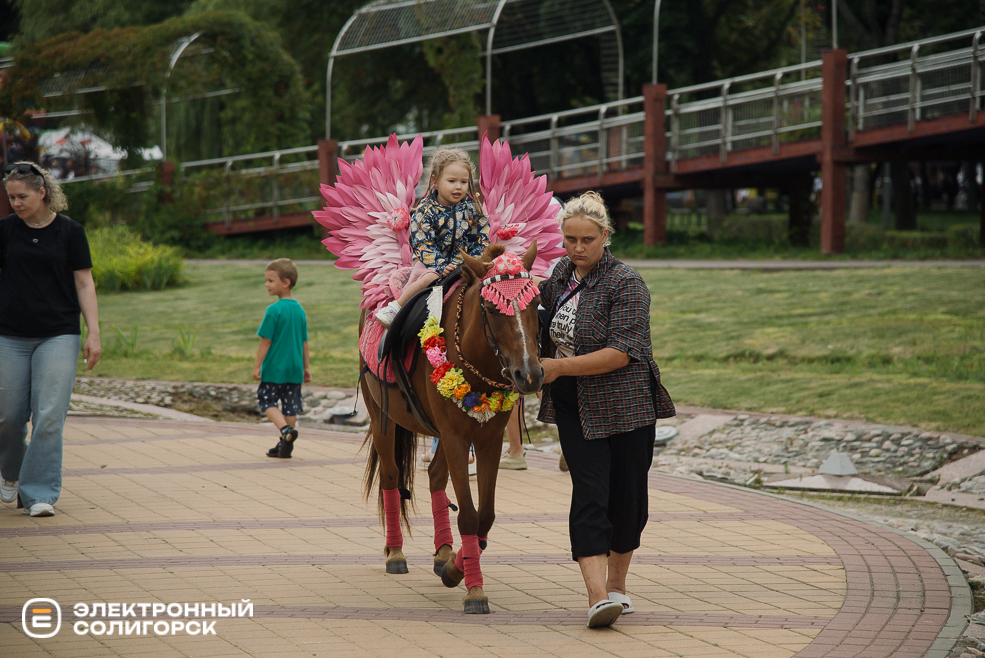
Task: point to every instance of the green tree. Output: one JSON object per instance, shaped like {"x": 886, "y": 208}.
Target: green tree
{"x": 41, "y": 20}
{"x": 270, "y": 110}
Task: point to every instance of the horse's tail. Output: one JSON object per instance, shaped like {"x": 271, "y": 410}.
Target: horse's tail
{"x": 405, "y": 454}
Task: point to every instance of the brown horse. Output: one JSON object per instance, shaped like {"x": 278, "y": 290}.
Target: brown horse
{"x": 496, "y": 352}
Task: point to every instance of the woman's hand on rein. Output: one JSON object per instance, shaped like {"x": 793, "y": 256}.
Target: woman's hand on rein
{"x": 552, "y": 369}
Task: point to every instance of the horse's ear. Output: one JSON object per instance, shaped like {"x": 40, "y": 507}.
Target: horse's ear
{"x": 473, "y": 268}
{"x": 530, "y": 256}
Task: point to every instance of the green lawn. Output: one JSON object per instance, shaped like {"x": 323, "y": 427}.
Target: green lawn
{"x": 902, "y": 345}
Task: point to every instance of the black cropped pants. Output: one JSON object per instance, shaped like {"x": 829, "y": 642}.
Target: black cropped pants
{"x": 609, "y": 489}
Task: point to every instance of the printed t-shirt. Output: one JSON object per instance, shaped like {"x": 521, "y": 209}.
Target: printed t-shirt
{"x": 38, "y": 298}
{"x": 286, "y": 326}
{"x": 562, "y": 327}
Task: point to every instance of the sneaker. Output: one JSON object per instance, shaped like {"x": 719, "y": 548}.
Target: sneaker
{"x": 40, "y": 509}
{"x": 8, "y": 490}
{"x": 386, "y": 314}
{"x": 510, "y": 462}
{"x": 275, "y": 451}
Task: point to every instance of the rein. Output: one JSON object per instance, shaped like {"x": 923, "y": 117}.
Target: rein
{"x": 490, "y": 340}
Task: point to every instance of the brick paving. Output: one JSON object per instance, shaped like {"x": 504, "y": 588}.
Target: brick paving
{"x": 177, "y": 512}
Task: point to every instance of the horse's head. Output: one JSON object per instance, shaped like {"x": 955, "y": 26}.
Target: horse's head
{"x": 508, "y": 303}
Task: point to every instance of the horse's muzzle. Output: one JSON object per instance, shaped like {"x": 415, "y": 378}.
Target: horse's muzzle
{"x": 528, "y": 380}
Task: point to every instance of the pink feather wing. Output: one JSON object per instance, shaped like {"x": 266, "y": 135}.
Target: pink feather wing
{"x": 356, "y": 210}
{"x": 514, "y": 196}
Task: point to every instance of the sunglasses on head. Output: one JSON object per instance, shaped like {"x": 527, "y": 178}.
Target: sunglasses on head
{"x": 24, "y": 168}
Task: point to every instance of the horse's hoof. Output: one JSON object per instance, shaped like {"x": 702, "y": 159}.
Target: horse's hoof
{"x": 441, "y": 558}
{"x": 397, "y": 566}
{"x": 477, "y": 607}
{"x": 450, "y": 575}
{"x": 482, "y": 545}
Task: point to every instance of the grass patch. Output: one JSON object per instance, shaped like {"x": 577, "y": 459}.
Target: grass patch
{"x": 894, "y": 345}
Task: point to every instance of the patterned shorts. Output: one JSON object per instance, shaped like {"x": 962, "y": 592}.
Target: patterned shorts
{"x": 289, "y": 395}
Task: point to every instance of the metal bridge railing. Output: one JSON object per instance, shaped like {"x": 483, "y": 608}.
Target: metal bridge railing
{"x": 748, "y": 111}
{"x": 239, "y": 186}
{"x": 561, "y": 147}
{"x": 897, "y": 84}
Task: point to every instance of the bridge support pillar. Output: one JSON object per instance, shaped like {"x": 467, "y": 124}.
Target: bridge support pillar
{"x": 328, "y": 154}
{"x": 834, "y": 64}
{"x": 654, "y": 164}
{"x": 981, "y": 205}
{"x": 489, "y": 124}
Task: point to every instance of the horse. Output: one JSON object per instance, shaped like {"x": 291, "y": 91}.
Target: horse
{"x": 496, "y": 351}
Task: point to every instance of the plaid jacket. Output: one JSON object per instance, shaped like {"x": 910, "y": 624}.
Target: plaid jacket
{"x": 613, "y": 311}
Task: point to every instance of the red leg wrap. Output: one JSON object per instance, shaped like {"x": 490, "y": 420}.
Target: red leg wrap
{"x": 442, "y": 524}
{"x": 470, "y": 557}
{"x": 391, "y": 509}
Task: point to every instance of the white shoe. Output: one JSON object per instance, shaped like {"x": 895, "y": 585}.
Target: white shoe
{"x": 603, "y": 613}
{"x": 625, "y": 601}
{"x": 40, "y": 509}
{"x": 386, "y": 314}
{"x": 8, "y": 490}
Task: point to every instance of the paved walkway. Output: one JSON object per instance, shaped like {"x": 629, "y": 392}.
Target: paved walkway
{"x": 179, "y": 512}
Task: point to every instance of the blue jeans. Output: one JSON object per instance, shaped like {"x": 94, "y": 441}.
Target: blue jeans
{"x": 36, "y": 379}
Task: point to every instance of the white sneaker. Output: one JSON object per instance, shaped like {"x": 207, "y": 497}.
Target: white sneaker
{"x": 8, "y": 490}
{"x": 386, "y": 314}
{"x": 40, "y": 509}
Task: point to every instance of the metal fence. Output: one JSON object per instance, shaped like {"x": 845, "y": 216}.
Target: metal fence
{"x": 898, "y": 84}
{"x": 759, "y": 110}
{"x": 259, "y": 184}
{"x": 565, "y": 145}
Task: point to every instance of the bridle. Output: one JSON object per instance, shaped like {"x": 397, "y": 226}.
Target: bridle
{"x": 487, "y": 333}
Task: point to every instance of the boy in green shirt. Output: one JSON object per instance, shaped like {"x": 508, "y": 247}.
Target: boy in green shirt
{"x": 282, "y": 360}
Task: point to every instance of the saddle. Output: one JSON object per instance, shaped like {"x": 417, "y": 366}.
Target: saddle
{"x": 401, "y": 336}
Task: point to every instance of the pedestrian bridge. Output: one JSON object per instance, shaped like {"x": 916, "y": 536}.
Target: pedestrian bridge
{"x": 915, "y": 101}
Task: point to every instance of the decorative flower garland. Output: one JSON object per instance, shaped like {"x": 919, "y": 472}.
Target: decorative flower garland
{"x": 451, "y": 382}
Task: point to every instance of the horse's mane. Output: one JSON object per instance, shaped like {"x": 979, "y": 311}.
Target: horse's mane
{"x": 491, "y": 251}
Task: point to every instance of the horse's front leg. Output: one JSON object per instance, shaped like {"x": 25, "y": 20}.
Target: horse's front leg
{"x": 487, "y": 461}
{"x": 466, "y": 563}
{"x": 444, "y": 542}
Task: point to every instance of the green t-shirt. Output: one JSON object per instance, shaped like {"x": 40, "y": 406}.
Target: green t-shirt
{"x": 285, "y": 325}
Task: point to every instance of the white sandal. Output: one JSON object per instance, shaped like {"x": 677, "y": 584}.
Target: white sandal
{"x": 604, "y": 613}
{"x": 627, "y": 603}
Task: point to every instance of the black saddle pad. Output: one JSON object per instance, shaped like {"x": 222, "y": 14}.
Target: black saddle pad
{"x": 411, "y": 317}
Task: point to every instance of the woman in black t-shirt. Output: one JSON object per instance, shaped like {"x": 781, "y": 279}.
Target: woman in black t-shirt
{"x": 45, "y": 282}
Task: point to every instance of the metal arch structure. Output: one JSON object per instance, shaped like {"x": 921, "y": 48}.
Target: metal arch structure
{"x": 511, "y": 25}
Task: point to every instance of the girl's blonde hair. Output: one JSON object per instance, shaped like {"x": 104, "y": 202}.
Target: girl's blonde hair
{"x": 590, "y": 206}
{"x": 441, "y": 158}
{"x": 54, "y": 198}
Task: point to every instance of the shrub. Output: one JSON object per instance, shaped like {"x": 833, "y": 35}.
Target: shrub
{"x": 768, "y": 229}
{"x": 916, "y": 240}
{"x": 964, "y": 236}
{"x": 122, "y": 261}
{"x": 862, "y": 237}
